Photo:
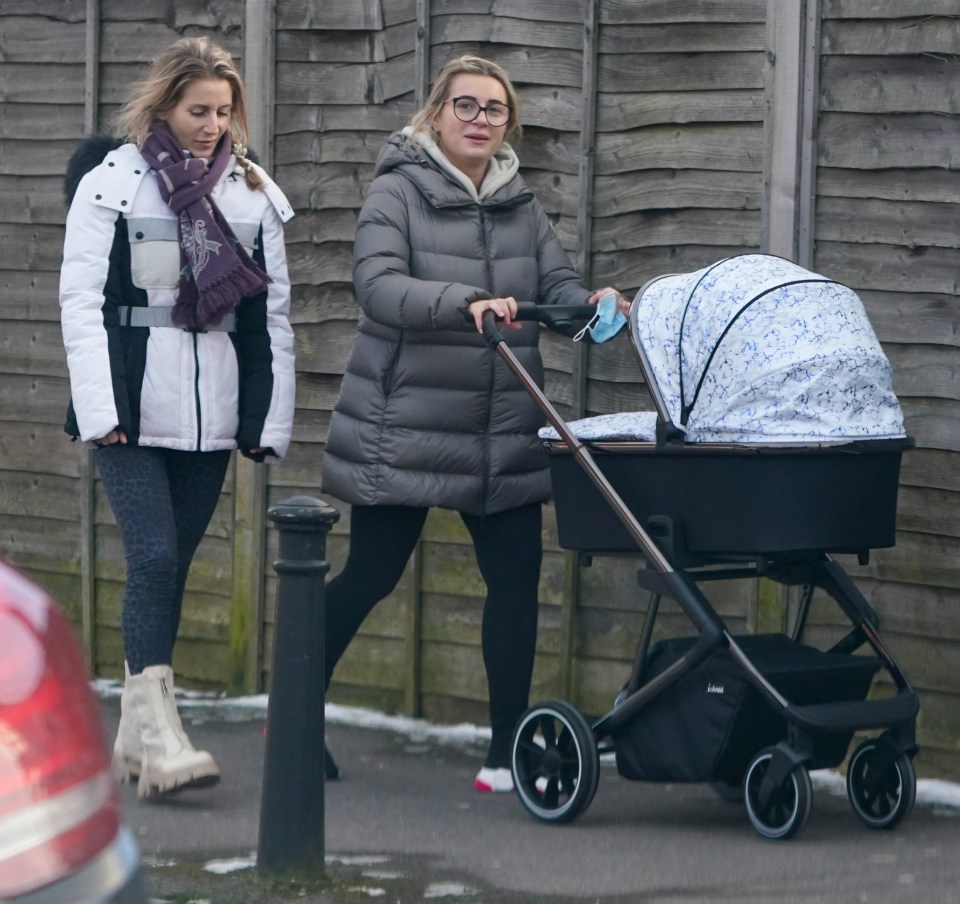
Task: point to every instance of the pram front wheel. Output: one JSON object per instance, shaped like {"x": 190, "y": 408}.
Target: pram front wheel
{"x": 555, "y": 762}
{"x": 777, "y": 812}
{"x": 882, "y": 788}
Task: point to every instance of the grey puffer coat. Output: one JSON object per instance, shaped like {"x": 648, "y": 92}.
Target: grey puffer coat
{"x": 428, "y": 414}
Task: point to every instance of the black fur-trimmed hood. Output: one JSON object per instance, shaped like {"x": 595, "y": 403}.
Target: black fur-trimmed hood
{"x": 89, "y": 153}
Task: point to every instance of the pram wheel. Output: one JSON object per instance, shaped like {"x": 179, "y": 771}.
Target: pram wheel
{"x": 780, "y": 812}
{"x": 881, "y": 784}
{"x": 556, "y": 766}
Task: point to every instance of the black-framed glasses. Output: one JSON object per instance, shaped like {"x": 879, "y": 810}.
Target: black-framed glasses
{"x": 467, "y": 109}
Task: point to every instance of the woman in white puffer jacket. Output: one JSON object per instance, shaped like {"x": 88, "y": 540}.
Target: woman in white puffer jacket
{"x": 174, "y": 302}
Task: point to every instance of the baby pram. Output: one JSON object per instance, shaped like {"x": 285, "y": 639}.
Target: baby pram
{"x": 775, "y": 443}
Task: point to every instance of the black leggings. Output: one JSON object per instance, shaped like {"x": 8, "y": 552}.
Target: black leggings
{"x": 509, "y": 550}
{"x": 162, "y": 501}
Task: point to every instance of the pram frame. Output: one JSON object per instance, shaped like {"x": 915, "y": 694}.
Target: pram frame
{"x": 789, "y": 759}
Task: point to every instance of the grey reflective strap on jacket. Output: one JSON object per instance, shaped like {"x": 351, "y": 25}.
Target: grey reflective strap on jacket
{"x": 135, "y": 315}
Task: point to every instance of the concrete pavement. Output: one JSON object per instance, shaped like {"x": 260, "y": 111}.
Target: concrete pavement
{"x": 404, "y": 824}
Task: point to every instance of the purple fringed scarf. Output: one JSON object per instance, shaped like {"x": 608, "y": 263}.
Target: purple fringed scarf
{"x": 215, "y": 270}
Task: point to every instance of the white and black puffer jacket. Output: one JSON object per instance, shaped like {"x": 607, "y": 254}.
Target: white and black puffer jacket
{"x": 161, "y": 385}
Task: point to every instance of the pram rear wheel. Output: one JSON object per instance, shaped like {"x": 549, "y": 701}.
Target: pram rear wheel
{"x": 881, "y": 789}
{"x": 555, "y": 762}
{"x": 777, "y": 813}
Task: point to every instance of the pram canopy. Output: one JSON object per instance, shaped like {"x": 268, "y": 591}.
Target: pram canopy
{"x": 756, "y": 349}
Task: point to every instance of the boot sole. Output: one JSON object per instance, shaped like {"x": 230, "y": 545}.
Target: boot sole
{"x": 147, "y": 790}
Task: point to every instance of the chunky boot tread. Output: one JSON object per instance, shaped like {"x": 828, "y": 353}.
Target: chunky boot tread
{"x": 152, "y": 787}
{"x": 169, "y": 763}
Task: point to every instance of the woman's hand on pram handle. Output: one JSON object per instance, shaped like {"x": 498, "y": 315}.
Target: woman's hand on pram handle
{"x": 504, "y": 309}
{"x": 565, "y": 319}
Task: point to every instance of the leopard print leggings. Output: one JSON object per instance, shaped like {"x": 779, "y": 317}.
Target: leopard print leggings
{"x": 163, "y": 501}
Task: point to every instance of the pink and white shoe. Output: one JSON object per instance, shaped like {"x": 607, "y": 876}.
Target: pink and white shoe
{"x": 493, "y": 781}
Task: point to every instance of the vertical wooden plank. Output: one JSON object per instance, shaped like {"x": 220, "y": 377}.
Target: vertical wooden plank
{"x": 88, "y": 565}
{"x": 91, "y": 86}
{"x": 247, "y": 607}
{"x": 258, "y": 75}
{"x": 413, "y": 654}
{"x": 250, "y": 479}
{"x": 588, "y": 125}
{"x": 421, "y": 53}
{"x": 809, "y": 116}
{"x": 578, "y": 375}
{"x": 88, "y": 608}
{"x": 789, "y": 166}
{"x": 785, "y": 41}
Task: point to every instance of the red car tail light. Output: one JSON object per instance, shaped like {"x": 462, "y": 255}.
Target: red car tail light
{"x": 59, "y": 807}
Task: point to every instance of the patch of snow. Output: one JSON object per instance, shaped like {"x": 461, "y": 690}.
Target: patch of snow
{"x": 222, "y": 867}
{"x": 448, "y": 890}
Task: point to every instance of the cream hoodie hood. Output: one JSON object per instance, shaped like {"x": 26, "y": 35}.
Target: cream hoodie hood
{"x": 504, "y": 165}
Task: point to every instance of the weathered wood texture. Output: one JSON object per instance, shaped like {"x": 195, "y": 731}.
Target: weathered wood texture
{"x": 888, "y": 180}
{"x": 670, "y": 179}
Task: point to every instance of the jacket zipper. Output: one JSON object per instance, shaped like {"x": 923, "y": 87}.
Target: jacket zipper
{"x": 196, "y": 387}
{"x": 485, "y": 477}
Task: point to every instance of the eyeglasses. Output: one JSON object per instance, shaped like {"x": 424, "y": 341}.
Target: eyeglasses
{"x": 466, "y": 109}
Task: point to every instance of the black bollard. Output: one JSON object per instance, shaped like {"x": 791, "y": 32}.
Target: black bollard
{"x": 291, "y": 843}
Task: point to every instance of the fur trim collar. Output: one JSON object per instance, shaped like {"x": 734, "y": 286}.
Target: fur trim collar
{"x": 89, "y": 154}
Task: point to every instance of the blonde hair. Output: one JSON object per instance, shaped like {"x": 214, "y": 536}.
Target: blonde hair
{"x": 182, "y": 63}
{"x": 422, "y": 120}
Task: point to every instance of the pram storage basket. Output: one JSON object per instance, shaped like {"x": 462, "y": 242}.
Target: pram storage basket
{"x": 709, "y": 724}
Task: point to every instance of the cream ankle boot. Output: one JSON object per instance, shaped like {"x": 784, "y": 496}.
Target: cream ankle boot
{"x": 127, "y": 749}
{"x": 169, "y": 761}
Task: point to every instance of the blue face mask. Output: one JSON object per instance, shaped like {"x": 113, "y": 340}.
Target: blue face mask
{"x": 606, "y": 323}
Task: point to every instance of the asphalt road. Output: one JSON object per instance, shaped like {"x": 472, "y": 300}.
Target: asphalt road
{"x": 404, "y": 824}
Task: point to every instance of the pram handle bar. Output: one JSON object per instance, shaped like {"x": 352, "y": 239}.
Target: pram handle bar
{"x": 650, "y": 550}
{"x": 560, "y": 318}
{"x": 569, "y": 319}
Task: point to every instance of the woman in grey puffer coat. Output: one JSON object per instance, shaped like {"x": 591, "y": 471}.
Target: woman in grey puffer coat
{"x": 428, "y": 414}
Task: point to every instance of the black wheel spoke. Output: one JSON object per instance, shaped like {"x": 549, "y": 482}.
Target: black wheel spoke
{"x": 885, "y": 802}
{"x": 551, "y": 795}
{"x": 530, "y": 749}
{"x": 549, "y": 730}
{"x": 870, "y": 798}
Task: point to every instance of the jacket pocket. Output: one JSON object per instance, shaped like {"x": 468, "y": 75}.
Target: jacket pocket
{"x": 386, "y": 378}
{"x": 154, "y": 252}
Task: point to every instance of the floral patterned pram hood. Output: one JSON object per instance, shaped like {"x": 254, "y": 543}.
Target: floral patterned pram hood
{"x": 756, "y": 349}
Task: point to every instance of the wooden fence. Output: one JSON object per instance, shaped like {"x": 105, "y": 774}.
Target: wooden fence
{"x": 660, "y": 137}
